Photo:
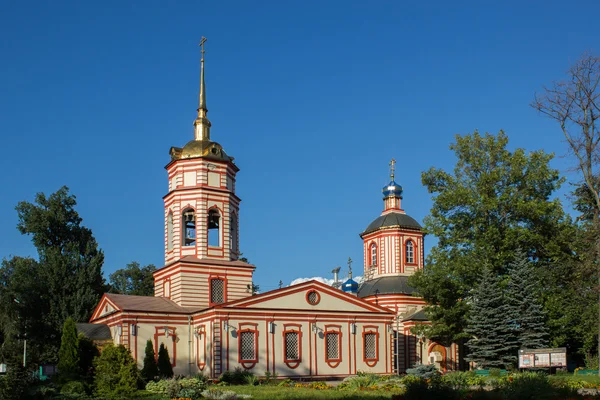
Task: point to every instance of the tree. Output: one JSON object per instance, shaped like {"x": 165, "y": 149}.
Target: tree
{"x": 165, "y": 369}
{"x": 116, "y": 373}
{"x": 575, "y": 105}
{"x": 36, "y": 297}
{"x": 68, "y": 355}
{"x": 494, "y": 336}
{"x": 133, "y": 280}
{"x": 69, "y": 258}
{"x": 526, "y": 309}
{"x": 494, "y": 202}
{"x": 150, "y": 368}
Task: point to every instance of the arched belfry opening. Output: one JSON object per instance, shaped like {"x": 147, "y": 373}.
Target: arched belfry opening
{"x": 233, "y": 234}
{"x": 214, "y": 225}
{"x": 189, "y": 227}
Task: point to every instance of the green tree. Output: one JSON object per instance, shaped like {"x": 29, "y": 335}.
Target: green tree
{"x": 523, "y": 295}
{"x": 493, "y": 342}
{"x": 23, "y": 308}
{"x": 574, "y": 104}
{"x": 133, "y": 280}
{"x": 165, "y": 369}
{"x": 87, "y": 353}
{"x": 69, "y": 258}
{"x": 150, "y": 368}
{"x": 68, "y": 355}
{"x": 495, "y": 201}
{"x": 116, "y": 373}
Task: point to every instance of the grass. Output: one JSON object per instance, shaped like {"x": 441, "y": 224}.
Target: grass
{"x": 281, "y": 393}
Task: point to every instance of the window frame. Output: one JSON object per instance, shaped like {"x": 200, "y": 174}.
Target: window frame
{"x": 184, "y": 228}
{"x": 333, "y": 330}
{"x": 212, "y": 278}
{"x": 370, "y": 330}
{"x": 292, "y": 328}
{"x": 248, "y": 327}
{"x": 374, "y": 255}
{"x": 413, "y": 252}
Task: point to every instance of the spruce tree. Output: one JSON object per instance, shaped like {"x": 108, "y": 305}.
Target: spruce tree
{"x": 68, "y": 355}
{"x": 150, "y": 368}
{"x": 165, "y": 369}
{"x": 526, "y": 309}
{"x": 493, "y": 343}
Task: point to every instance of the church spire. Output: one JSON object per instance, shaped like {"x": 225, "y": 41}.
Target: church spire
{"x": 202, "y": 124}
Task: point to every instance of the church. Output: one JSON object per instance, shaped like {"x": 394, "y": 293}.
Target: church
{"x": 205, "y": 312}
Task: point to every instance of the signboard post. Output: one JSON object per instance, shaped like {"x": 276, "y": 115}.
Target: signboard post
{"x": 543, "y": 358}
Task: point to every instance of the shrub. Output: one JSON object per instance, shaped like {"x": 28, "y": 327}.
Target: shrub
{"x": 165, "y": 369}
{"x": 423, "y": 371}
{"x": 68, "y": 355}
{"x": 236, "y": 377}
{"x": 217, "y": 394}
{"x": 116, "y": 373}
{"x": 527, "y": 385}
{"x": 463, "y": 380}
{"x": 14, "y": 384}
{"x": 87, "y": 353}
{"x": 74, "y": 389}
{"x": 150, "y": 368}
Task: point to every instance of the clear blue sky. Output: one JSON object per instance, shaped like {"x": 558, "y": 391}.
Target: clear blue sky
{"x": 312, "y": 98}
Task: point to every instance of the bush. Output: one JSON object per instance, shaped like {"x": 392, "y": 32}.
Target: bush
{"x": 116, "y": 373}
{"x": 165, "y": 369}
{"x": 74, "y": 389}
{"x": 527, "y": 385}
{"x": 15, "y": 383}
{"x": 218, "y": 394}
{"x": 238, "y": 376}
{"x": 423, "y": 371}
{"x": 463, "y": 380}
{"x": 150, "y": 368}
{"x": 68, "y": 355}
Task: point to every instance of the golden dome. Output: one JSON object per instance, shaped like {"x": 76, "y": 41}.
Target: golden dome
{"x": 200, "y": 149}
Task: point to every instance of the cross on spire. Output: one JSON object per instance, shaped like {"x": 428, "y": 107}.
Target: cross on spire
{"x": 392, "y": 169}
{"x": 350, "y": 267}
{"x": 202, "y": 41}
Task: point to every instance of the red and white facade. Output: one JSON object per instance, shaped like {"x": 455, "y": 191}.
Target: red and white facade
{"x": 203, "y": 310}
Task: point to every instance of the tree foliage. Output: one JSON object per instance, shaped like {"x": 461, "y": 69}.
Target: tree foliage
{"x": 493, "y": 342}
{"x": 116, "y": 373}
{"x": 165, "y": 369}
{"x": 65, "y": 281}
{"x": 494, "y": 202}
{"x": 68, "y": 355}
{"x": 133, "y": 280}
{"x": 526, "y": 309}
{"x": 150, "y": 368}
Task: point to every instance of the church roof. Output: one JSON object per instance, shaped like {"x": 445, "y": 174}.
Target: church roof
{"x": 417, "y": 316}
{"x": 94, "y": 331}
{"x": 146, "y": 303}
{"x": 385, "y": 285}
{"x": 392, "y": 220}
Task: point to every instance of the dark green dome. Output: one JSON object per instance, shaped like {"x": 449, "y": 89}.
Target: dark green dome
{"x": 393, "y": 220}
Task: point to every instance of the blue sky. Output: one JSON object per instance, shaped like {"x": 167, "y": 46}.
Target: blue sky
{"x": 312, "y": 98}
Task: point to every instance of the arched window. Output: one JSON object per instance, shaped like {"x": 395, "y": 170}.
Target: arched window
{"x": 233, "y": 233}
{"x": 170, "y": 231}
{"x": 410, "y": 252}
{"x": 214, "y": 231}
{"x": 373, "y": 254}
{"x": 189, "y": 228}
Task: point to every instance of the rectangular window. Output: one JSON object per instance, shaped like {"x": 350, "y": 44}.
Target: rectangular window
{"x": 332, "y": 340}
{"x": 217, "y": 291}
{"x": 247, "y": 346}
{"x": 370, "y": 346}
{"x": 292, "y": 346}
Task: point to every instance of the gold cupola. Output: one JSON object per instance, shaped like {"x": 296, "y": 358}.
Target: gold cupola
{"x": 201, "y": 146}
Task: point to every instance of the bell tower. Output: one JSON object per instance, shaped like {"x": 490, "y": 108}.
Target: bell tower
{"x": 201, "y": 211}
